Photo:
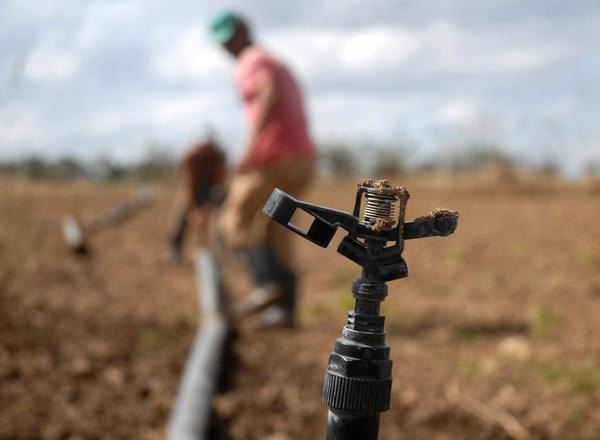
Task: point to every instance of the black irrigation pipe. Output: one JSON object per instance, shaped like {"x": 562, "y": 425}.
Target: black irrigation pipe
{"x": 192, "y": 417}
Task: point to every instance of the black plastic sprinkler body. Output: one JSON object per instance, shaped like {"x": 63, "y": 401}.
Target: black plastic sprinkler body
{"x": 358, "y": 378}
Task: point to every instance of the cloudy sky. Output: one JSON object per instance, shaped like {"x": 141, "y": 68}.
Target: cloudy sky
{"x": 108, "y": 78}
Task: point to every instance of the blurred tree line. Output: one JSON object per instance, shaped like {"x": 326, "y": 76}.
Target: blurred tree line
{"x": 369, "y": 159}
{"x": 387, "y": 160}
{"x": 156, "y": 165}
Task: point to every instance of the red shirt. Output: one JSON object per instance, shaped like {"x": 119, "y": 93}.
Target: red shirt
{"x": 286, "y": 134}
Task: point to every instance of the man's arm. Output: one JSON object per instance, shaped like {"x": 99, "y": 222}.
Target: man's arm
{"x": 266, "y": 99}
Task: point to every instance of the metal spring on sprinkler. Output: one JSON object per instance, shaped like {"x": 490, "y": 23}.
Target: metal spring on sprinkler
{"x": 378, "y": 207}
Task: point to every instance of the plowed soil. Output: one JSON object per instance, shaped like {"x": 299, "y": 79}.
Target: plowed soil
{"x": 497, "y": 322}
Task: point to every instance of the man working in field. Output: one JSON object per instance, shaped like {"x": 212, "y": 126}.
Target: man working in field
{"x": 280, "y": 153}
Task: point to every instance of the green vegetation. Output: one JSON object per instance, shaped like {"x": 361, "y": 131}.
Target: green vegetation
{"x": 343, "y": 278}
{"x": 338, "y": 160}
{"x": 473, "y": 369}
{"x": 403, "y": 321}
{"x": 583, "y": 380}
{"x": 345, "y": 298}
{"x": 467, "y": 331}
{"x": 589, "y": 254}
{"x": 317, "y": 310}
{"x": 473, "y": 159}
{"x": 149, "y": 339}
{"x": 576, "y": 380}
{"x": 470, "y": 369}
{"x": 545, "y": 321}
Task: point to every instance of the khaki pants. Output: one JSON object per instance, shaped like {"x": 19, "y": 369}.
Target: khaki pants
{"x": 242, "y": 222}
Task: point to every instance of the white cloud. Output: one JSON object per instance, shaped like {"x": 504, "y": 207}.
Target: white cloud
{"x": 522, "y": 59}
{"x": 459, "y": 112}
{"x": 446, "y": 47}
{"x": 190, "y": 57}
{"x": 366, "y": 56}
{"x": 108, "y": 21}
{"x": 20, "y": 130}
{"x": 377, "y": 48}
{"x": 168, "y": 114}
{"x": 344, "y": 51}
{"x": 175, "y": 111}
{"x": 51, "y": 65}
{"x": 114, "y": 121}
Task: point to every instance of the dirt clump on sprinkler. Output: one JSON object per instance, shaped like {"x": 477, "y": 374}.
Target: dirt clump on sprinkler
{"x": 438, "y": 212}
{"x": 384, "y": 187}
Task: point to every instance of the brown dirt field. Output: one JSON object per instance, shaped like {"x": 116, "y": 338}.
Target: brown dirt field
{"x": 505, "y": 310}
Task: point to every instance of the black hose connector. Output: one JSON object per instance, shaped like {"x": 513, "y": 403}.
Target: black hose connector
{"x": 358, "y": 396}
{"x": 358, "y": 378}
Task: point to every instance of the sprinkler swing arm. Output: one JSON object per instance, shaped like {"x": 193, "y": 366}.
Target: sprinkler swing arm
{"x": 358, "y": 378}
{"x": 281, "y": 207}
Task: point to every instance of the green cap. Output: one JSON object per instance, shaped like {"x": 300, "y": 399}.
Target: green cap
{"x": 223, "y": 26}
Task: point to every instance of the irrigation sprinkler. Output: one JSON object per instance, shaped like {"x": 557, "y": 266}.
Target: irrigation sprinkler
{"x": 76, "y": 233}
{"x": 358, "y": 378}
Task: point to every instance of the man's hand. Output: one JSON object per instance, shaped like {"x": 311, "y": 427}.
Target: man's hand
{"x": 246, "y": 165}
